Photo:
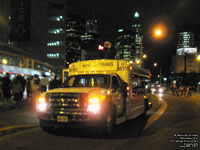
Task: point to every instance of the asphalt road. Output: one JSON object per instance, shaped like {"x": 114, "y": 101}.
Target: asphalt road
{"x": 176, "y": 127}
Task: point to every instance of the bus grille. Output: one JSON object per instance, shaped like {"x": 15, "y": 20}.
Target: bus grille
{"x": 66, "y": 101}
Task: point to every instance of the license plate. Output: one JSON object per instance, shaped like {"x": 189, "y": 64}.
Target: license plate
{"x": 62, "y": 118}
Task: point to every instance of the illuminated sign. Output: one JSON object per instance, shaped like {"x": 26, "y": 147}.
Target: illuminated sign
{"x": 21, "y": 20}
{"x": 94, "y": 65}
{"x": 183, "y": 51}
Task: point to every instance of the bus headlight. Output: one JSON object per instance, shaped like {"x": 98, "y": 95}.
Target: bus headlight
{"x": 93, "y": 105}
{"x": 42, "y": 105}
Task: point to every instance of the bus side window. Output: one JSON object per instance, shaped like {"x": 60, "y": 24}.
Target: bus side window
{"x": 115, "y": 83}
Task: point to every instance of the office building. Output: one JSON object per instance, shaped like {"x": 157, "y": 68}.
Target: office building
{"x": 90, "y": 40}
{"x": 75, "y": 27}
{"x": 128, "y": 44}
{"x": 187, "y": 49}
{"x": 36, "y": 27}
{"x": 124, "y": 45}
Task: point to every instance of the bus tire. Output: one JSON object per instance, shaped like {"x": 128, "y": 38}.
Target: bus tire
{"x": 146, "y": 105}
{"x": 109, "y": 121}
{"x": 45, "y": 127}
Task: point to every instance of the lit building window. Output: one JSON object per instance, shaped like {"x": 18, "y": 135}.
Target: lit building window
{"x": 53, "y": 55}
{"x": 56, "y": 31}
{"x": 56, "y": 18}
{"x": 55, "y": 43}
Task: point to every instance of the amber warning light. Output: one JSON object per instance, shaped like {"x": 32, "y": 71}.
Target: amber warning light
{"x": 100, "y": 47}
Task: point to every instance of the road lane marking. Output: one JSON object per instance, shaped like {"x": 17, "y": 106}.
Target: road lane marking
{"x": 157, "y": 114}
{"x": 11, "y": 129}
{"x": 19, "y": 126}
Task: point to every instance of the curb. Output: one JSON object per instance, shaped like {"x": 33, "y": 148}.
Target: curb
{"x": 13, "y": 129}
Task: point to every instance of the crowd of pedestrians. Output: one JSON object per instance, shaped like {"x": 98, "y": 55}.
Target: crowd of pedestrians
{"x": 13, "y": 92}
{"x": 181, "y": 91}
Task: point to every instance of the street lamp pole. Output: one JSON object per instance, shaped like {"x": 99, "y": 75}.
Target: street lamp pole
{"x": 185, "y": 61}
{"x": 141, "y": 52}
{"x": 160, "y": 77}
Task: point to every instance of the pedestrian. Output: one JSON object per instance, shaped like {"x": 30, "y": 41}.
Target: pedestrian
{"x": 54, "y": 83}
{"x": 1, "y": 88}
{"x": 17, "y": 90}
{"x": 28, "y": 86}
{"x": 23, "y": 83}
{"x": 44, "y": 82}
{"x": 34, "y": 83}
{"x": 6, "y": 88}
{"x": 187, "y": 93}
{"x": 1, "y": 92}
{"x": 182, "y": 90}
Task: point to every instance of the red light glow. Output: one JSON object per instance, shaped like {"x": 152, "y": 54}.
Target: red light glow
{"x": 100, "y": 47}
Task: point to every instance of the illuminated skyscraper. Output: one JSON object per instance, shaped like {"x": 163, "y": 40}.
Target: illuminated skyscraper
{"x": 186, "y": 39}
{"x": 74, "y": 30}
{"x": 90, "y": 40}
{"x": 124, "y": 45}
{"x": 128, "y": 44}
{"x": 138, "y": 37}
{"x": 187, "y": 48}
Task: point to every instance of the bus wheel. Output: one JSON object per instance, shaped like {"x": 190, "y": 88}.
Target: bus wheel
{"x": 45, "y": 127}
{"x": 109, "y": 122}
{"x": 146, "y": 105}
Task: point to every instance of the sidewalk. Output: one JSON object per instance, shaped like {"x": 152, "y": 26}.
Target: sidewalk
{"x": 4, "y": 105}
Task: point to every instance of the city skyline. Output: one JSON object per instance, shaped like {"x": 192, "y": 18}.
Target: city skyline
{"x": 113, "y": 15}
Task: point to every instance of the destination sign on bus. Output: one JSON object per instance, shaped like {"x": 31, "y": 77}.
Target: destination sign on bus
{"x": 98, "y": 65}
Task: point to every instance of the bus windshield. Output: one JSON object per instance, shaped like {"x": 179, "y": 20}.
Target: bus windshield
{"x": 93, "y": 80}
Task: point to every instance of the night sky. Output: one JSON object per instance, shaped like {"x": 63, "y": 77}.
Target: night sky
{"x": 115, "y": 14}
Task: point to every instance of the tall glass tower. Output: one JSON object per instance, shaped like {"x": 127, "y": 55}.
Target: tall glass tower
{"x": 138, "y": 37}
{"x": 128, "y": 44}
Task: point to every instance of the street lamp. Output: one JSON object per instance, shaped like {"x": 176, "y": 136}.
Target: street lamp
{"x": 159, "y": 31}
{"x": 198, "y": 58}
{"x": 144, "y": 56}
{"x": 160, "y": 76}
{"x": 107, "y": 45}
{"x": 155, "y": 64}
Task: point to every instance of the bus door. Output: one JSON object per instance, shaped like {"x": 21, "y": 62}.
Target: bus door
{"x": 138, "y": 90}
{"x": 117, "y": 95}
{"x": 65, "y": 73}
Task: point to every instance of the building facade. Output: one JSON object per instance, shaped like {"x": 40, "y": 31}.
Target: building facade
{"x": 90, "y": 40}
{"x": 48, "y": 31}
{"x": 186, "y": 39}
{"x": 128, "y": 44}
{"x": 137, "y": 31}
{"x": 124, "y": 45}
{"x": 185, "y": 60}
{"x": 75, "y": 28}
{"x": 185, "y": 64}
{"x": 36, "y": 27}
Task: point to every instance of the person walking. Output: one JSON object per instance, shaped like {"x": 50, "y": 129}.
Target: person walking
{"x": 23, "y": 83}
{"x": 182, "y": 90}
{"x": 34, "y": 83}
{"x": 17, "y": 90}
{"x": 6, "y": 88}
{"x": 28, "y": 87}
{"x": 54, "y": 83}
{"x": 44, "y": 82}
